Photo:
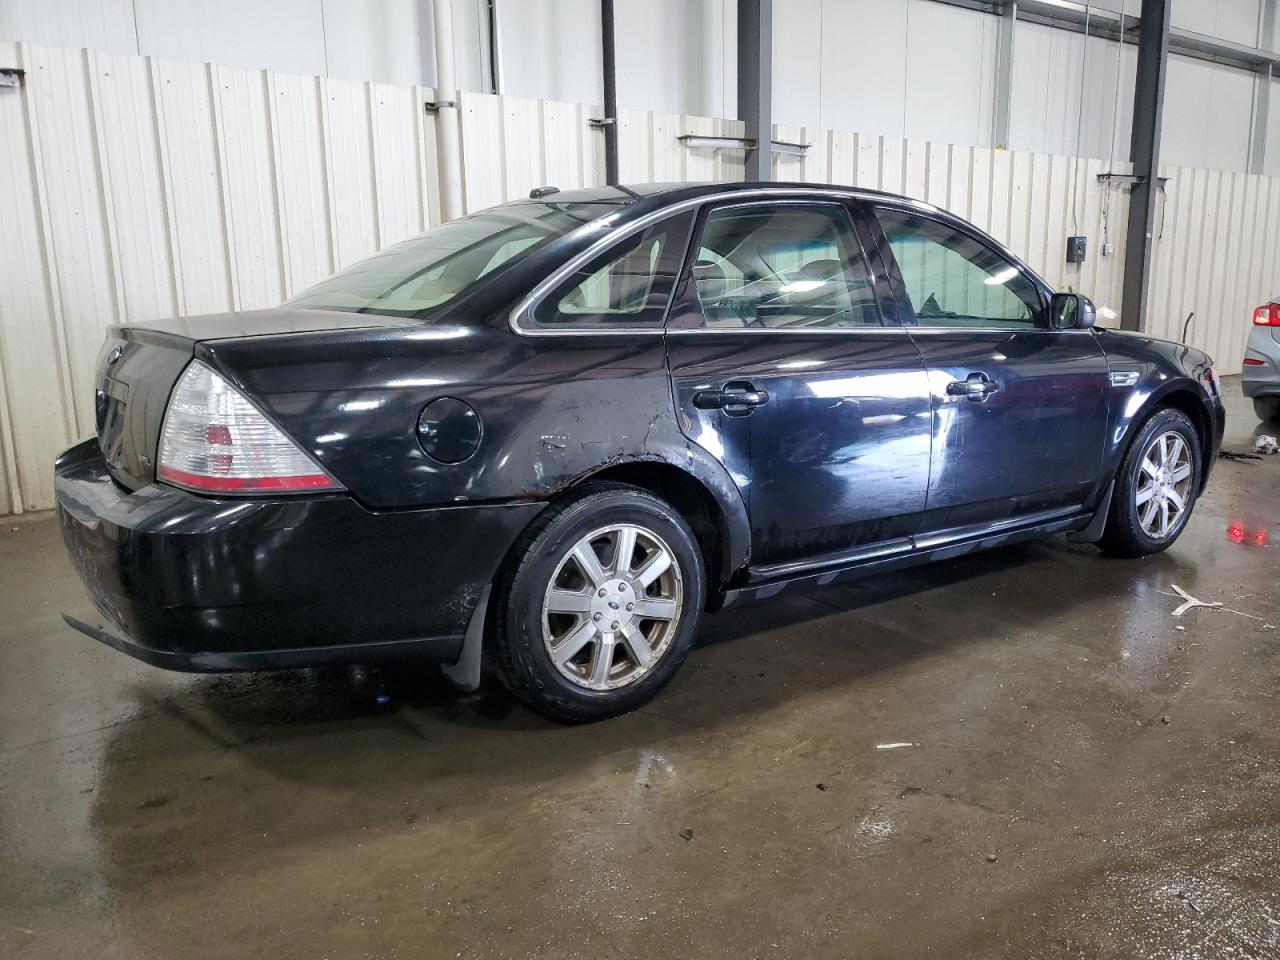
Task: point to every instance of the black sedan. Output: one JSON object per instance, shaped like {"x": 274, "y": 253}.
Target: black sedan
{"x": 547, "y": 437}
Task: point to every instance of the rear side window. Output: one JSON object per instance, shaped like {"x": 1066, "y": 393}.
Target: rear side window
{"x": 782, "y": 266}
{"x": 628, "y": 285}
{"x": 955, "y": 280}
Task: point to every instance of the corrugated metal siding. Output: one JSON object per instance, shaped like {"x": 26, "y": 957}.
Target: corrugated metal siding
{"x": 136, "y": 188}
{"x": 1215, "y": 255}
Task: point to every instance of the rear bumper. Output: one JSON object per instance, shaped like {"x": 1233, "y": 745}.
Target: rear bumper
{"x": 191, "y": 583}
{"x": 1260, "y": 381}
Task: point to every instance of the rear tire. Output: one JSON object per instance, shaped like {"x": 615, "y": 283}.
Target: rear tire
{"x": 1267, "y": 408}
{"x": 1156, "y": 487}
{"x": 572, "y": 639}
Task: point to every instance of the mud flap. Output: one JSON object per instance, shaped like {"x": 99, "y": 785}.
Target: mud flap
{"x": 465, "y": 674}
{"x": 1093, "y": 532}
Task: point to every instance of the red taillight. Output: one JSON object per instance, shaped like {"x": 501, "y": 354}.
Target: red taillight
{"x": 315, "y": 481}
{"x": 1254, "y": 362}
{"x": 215, "y": 441}
{"x": 1267, "y": 315}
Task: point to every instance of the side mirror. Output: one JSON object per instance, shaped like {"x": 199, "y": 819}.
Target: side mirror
{"x": 1070, "y": 311}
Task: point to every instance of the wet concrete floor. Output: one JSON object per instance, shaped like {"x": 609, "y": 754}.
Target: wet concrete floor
{"x": 1082, "y": 778}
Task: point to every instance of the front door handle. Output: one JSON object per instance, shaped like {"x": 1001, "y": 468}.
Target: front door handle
{"x": 737, "y": 398}
{"x": 976, "y": 387}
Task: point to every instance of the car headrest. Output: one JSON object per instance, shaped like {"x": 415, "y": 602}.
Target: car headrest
{"x": 710, "y": 280}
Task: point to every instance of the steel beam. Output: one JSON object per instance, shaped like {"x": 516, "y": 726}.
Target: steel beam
{"x": 1071, "y": 15}
{"x": 608, "y": 59}
{"x": 1004, "y": 75}
{"x": 755, "y": 83}
{"x": 1261, "y": 115}
{"x": 493, "y": 38}
{"x": 1144, "y": 154}
{"x": 1262, "y": 92}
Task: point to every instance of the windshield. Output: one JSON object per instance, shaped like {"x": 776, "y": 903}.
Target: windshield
{"x": 435, "y": 267}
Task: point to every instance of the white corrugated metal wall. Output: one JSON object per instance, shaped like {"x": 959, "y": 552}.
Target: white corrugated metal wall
{"x": 136, "y": 188}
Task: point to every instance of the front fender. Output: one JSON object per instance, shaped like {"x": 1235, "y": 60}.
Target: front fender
{"x": 1131, "y": 408}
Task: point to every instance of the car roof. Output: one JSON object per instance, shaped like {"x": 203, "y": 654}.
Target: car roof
{"x": 626, "y": 194}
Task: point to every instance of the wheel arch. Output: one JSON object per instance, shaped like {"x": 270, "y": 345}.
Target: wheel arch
{"x": 1181, "y": 395}
{"x": 1185, "y": 399}
{"x": 718, "y": 518}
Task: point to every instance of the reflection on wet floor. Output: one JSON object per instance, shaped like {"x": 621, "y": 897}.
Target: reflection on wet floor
{"x": 1084, "y": 778}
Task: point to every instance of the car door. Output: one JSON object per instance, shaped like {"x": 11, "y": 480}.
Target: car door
{"x": 783, "y": 368}
{"x": 1019, "y": 407}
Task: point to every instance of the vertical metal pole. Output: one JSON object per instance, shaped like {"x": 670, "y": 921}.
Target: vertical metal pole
{"x": 493, "y": 33}
{"x": 1262, "y": 92}
{"x": 609, "y": 60}
{"x": 1144, "y": 153}
{"x": 1261, "y": 115}
{"x": 1004, "y": 76}
{"x": 449, "y": 144}
{"x": 755, "y": 83}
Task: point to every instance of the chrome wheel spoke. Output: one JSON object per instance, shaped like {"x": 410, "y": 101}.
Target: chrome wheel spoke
{"x": 602, "y": 660}
{"x": 569, "y": 647}
{"x": 585, "y": 556}
{"x": 637, "y": 646}
{"x": 567, "y": 601}
{"x": 1164, "y": 517}
{"x": 1175, "y": 498}
{"x": 1144, "y": 494}
{"x": 651, "y": 571}
{"x": 1149, "y": 468}
{"x": 623, "y": 551}
{"x": 1181, "y": 472}
{"x": 1148, "y": 514}
{"x": 655, "y": 608}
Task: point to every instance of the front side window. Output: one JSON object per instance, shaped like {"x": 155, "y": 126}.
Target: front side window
{"x": 417, "y": 276}
{"x": 955, "y": 280}
{"x": 782, "y": 266}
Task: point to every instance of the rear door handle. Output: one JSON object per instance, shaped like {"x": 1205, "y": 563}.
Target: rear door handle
{"x": 976, "y": 387}
{"x": 737, "y": 398}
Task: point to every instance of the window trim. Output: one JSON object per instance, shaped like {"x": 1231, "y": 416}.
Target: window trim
{"x": 527, "y": 310}
{"x": 959, "y": 226}
{"x": 522, "y": 312}
{"x": 797, "y": 199}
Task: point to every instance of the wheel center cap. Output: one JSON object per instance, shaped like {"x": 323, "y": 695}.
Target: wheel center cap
{"x": 613, "y": 606}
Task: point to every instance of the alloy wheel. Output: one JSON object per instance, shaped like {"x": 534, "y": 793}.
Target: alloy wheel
{"x": 612, "y": 607}
{"x": 1164, "y": 484}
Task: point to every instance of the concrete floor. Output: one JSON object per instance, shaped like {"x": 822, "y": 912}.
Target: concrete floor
{"x": 1086, "y": 777}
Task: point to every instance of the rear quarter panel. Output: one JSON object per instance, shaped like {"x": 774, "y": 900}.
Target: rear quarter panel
{"x": 554, "y": 409}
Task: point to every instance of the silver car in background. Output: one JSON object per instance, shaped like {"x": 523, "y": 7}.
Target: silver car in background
{"x": 1261, "y": 368}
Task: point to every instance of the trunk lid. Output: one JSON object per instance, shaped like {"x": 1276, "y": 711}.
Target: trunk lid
{"x": 140, "y": 363}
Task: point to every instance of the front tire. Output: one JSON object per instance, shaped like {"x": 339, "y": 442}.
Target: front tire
{"x": 1267, "y": 408}
{"x": 599, "y": 606}
{"x": 1156, "y": 487}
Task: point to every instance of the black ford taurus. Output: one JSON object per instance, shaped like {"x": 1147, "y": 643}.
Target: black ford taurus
{"x": 547, "y": 437}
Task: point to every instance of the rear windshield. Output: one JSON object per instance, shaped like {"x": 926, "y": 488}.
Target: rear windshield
{"x": 424, "y": 273}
